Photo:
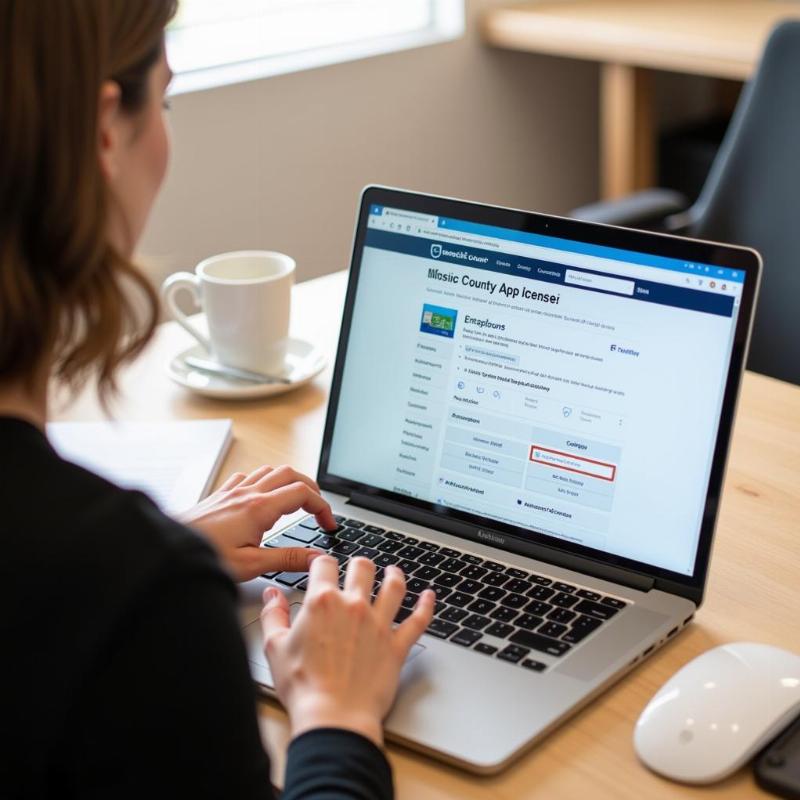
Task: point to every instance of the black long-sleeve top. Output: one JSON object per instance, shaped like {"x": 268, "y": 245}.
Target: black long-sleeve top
{"x": 122, "y": 669}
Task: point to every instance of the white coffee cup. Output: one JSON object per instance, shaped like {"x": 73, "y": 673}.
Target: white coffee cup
{"x": 246, "y": 297}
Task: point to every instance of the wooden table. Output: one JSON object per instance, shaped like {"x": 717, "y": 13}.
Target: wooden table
{"x": 717, "y": 38}
{"x": 753, "y": 592}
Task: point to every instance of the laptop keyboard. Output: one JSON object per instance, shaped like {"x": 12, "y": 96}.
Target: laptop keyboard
{"x": 492, "y": 608}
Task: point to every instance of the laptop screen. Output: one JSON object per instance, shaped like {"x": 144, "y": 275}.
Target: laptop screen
{"x": 566, "y": 389}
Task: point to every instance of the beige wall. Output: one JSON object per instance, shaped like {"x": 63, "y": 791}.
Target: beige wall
{"x": 279, "y": 163}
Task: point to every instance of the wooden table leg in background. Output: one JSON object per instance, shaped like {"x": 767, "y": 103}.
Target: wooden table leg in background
{"x": 627, "y": 146}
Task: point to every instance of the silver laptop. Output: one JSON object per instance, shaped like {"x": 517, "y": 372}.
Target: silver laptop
{"x": 531, "y": 415}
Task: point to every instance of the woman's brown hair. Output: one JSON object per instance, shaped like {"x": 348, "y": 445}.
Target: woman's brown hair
{"x": 66, "y": 294}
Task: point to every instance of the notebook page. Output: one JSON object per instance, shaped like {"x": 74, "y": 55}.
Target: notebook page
{"x": 175, "y": 463}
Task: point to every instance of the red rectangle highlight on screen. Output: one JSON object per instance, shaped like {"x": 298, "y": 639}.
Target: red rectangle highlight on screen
{"x": 572, "y": 463}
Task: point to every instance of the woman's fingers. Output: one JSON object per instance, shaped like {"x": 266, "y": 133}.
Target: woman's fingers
{"x": 256, "y": 475}
{"x": 232, "y": 481}
{"x": 324, "y": 574}
{"x": 392, "y": 591}
{"x": 271, "y": 507}
{"x": 414, "y": 626}
{"x": 274, "y": 614}
{"x": 282, "y": 476}
{"x": 281, "y": 559}
{"x": 359, "y": 577}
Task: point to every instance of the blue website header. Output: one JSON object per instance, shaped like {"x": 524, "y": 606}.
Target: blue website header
{"x": 710, "y": 271}
{"x": 551, "y": 272}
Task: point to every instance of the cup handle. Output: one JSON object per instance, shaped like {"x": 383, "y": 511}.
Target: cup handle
{"x": 171, "y": 286}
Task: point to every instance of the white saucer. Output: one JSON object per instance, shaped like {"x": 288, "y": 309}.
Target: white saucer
{"x": 303, "y": 362}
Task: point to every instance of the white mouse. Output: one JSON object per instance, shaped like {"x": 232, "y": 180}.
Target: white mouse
{"x": 718, "y": 711}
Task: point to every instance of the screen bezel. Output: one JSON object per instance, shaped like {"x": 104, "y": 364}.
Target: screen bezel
{"x": 469, "y": 525}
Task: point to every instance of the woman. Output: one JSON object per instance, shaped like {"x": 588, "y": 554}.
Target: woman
{"x": 123, "y": 671}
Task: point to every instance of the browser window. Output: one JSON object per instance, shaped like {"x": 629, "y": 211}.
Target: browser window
{"x": 563, "y": 388}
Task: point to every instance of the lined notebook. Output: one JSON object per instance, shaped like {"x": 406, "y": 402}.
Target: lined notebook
{"x": 175, "y": 463}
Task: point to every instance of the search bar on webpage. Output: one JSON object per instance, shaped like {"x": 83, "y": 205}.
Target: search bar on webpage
{"x": 616, "y": 285}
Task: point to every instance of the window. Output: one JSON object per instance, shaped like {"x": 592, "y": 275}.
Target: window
{"x": 211, "y": 43}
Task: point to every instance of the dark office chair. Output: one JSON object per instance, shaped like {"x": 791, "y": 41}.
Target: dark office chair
{"x": 751, "y": 197}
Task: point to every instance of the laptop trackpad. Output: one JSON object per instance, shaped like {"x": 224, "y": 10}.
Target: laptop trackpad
{"x": 255, "y": 649}
{"x": 603, "y": 650}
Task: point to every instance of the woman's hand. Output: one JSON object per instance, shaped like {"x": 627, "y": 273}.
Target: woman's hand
{"x": 339, "y": 663}
{"x": 235, "y": 517}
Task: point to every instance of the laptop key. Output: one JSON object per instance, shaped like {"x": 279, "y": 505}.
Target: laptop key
{"x": 446, "y": 579}
{"x": 441, "y": 628}
{"x": 470, "y": 587}
{"x": 491, "y": 593}
{"x": 552, "y": 629}
{"x": 371, "y": 540}
{"x": 290, "y": 578}
{"x": 494, "y": 566}
{"x": 536, "y": 666}
{"x": 346, "y": 548}
{"x": 325, "y": 542}
{"x": 388, "y": 546}
{"x": 540, "y": 579}
{"x": 393, "y": 535}
{"x": 513, "y": 653}
{"x": 407, "y": 565}
{"x": 561, "y": 615}
{"x": 514, "y": 601}
{"x": 410, "y": 540}
{"x": 587, "y": 595}
{"x": 339, "y": 518}
{"x": 481, "y": 607}
{"x": 476, "y": 622}
{"x": 385, "y": 559}
{"x": 466, "y": 637}
{"x": 416, "y": 585}
{"x": 472, "y": 572}
{"x": 459, "y": 599}
{"x": 402, "y": 614}
{"x": 353, "y": 523}
{"x": 541, "y": 592}
{"x": 431, "y": 559}
{"x": 301, "y": 534}
{"x": 486, "y": 649}
{"x": 538, "y": 608}
{"x": 503, "y": 614}
{"x": 350, "y": 534}
{"x": 281, "y": 541}
{"x": 409, "y": 600}
{"x": 613, "y": 602}
{"x": 269, "y": 575}
{"x": 564, "y": 587}
{"x": 518, "y": 586}
{"x": 596, "y": 609}
{"x": 495, "y": 579}
{"x": 453, "y": 614}
{"x": 303, "y": 585}
{"x": 575, "y": 635}
{"x": 429, "y": 546}
{"x": 543, "y": 644}
{"x": 470, "y": 559}
{"x": 564, "y": 600}
{"x": 410, "y": 552}
{"x": 441, "y": 591}
{"x": 367, "y": 552}
{"x": 427, "y": 573}
{"x": 528, "y": 621}
{"x": 516, "y": 573}
{"x": 499, "y": 629}
{"x": 310, "y": 523}
{"x": 451, "y": 565}
{"x": 373, "y": 529}
{"x": 448, "y": 552}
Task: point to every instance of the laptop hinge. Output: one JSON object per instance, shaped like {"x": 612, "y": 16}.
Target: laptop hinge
{"x": 488, "y": 536}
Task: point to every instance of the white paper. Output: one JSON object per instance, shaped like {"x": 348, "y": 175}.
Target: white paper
{"x": 174, "y": 463}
